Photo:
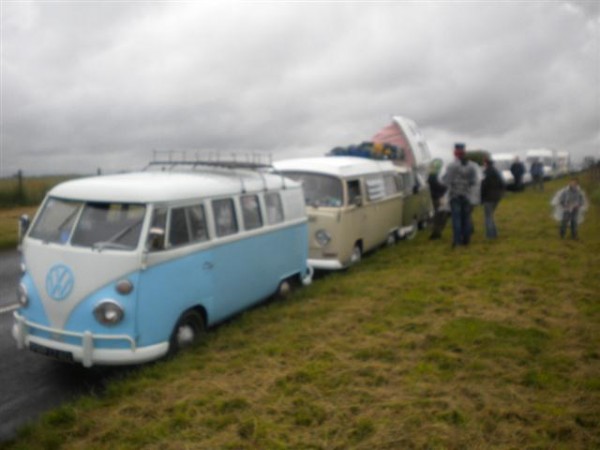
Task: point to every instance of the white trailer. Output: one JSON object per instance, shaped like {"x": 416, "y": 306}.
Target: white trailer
{"x": 547, "y": 157}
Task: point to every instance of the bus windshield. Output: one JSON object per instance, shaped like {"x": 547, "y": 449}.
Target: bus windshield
{"x": 319, "y": 190}
{"x": 94, "y": 224}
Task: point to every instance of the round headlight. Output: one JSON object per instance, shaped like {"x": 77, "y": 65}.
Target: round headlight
{"x": 109, "y": 312}
{"x": 322, "y": 237}
{"x": 22, "y": 295}
{"x": 124, "y": 287}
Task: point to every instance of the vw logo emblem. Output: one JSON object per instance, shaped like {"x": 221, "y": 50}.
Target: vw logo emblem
{"x": 59, "y": 282}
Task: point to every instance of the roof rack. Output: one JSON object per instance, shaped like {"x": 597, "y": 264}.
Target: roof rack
{"x": 170, "y": 160}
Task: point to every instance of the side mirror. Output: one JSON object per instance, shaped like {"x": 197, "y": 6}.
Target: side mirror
{"x": 156, "y": 239}
{"x": 24, "y": 223}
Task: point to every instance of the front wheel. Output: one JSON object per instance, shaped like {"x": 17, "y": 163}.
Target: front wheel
{"x": 356, "y": 255}
{"x": 187, "y": 332}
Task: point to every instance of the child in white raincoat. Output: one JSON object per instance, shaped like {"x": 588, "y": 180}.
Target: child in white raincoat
{"x": 570, "y": 204}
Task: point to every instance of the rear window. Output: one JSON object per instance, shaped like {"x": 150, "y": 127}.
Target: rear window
{"x": 274, "y": 208}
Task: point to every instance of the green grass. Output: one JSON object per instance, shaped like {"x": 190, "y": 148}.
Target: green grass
{"x": 495, "y": 346}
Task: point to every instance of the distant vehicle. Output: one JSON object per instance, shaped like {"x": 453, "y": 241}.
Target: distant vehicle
{"x": 563, "y": 163}
{"x": 418, "y": 208}
{"x": 547, "y": 157}
{"x": 353, "y": 206}
{"x": 503, "y": 162}
{"x": 123, "y": 269}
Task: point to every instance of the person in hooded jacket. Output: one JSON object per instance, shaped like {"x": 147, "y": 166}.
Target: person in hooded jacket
{"x": 492, "y": 191}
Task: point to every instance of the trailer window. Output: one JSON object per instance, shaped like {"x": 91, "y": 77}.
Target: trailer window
{"x": 274, "y": 208}
{"x": 224, "y": 215}
{"x": 251, "y": 212}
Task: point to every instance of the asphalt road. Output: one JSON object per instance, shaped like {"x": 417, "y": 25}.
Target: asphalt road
{"x": 31, "y": 384}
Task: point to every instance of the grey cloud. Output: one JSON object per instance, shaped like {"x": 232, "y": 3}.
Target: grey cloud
{"x": 100, "y": 84}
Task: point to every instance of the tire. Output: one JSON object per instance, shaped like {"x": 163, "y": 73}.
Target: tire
{"x": 414, "y": 231}
{"x": 187, "y": 332}
{"x": 391, "y": 239}
{"x": 356, "y": 256}
{"x": 284, "y": 289}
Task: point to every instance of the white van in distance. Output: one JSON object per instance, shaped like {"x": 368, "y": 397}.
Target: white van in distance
{"x": 547, "y": 157}
{"x": 123, "y": 269}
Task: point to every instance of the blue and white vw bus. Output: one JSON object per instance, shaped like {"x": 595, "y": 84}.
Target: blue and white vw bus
{"x": 123, "y": 269}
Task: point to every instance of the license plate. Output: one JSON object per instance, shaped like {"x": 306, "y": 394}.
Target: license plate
{"x": 60, "y": 355}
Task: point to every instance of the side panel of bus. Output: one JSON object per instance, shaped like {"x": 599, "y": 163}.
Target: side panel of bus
{"x": 167, "y": 289}
{"x": 248, "y": 270}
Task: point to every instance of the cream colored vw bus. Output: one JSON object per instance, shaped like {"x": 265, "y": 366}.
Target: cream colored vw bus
{"x": 353, "y": 205}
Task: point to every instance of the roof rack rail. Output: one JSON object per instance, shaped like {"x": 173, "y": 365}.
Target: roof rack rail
{"x": 170, "y": 160}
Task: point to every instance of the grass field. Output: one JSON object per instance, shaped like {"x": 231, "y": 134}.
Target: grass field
{"x": 495, "y": 346}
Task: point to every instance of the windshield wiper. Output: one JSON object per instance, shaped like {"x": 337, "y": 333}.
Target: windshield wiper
{"x": 111, "y": 242}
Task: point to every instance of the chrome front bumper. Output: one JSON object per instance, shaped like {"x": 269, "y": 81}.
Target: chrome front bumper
{"x": 86, "y": 354}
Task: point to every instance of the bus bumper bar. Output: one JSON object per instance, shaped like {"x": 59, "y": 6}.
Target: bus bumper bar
{"x": 86, "y": 354}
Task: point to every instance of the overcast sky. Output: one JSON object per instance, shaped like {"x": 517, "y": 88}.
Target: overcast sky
{"x": 91, "y": 84}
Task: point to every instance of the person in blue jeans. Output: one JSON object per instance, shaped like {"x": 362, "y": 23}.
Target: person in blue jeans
{"x": 492, "y": 190}
{"x": 460, "y": 178}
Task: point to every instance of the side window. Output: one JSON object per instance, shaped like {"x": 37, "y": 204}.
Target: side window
{"x": 156, "y": 239}
{"x": 408, "y": 183}
{"x": 353, "y": 191}
{"x": 375, "y": 188}
{"x": 251, "y": 212}
{"x": 188, "y": 224}
{"x": 399, "y": 182}
{"x": 178, "y": 230}
{"x": 197, "y": 220}
{"x": 391, "y": 185}
{"x": 274, "y": 208}
{"x": 224, "y": 214}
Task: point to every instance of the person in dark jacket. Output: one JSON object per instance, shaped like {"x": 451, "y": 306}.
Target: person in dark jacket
{"x": 537, "y": 174}
{"x": 492, "y": 191}
{"x": 517, "y": 169}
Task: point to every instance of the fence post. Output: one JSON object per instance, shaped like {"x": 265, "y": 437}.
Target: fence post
{"x": 20, "y": 194}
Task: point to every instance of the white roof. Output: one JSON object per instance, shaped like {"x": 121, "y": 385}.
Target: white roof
{"x": 340, "y": 166}
{"x": 540, "y": 152}
{"x": 149, "y": 187}
{"x": 504, "y": 156}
